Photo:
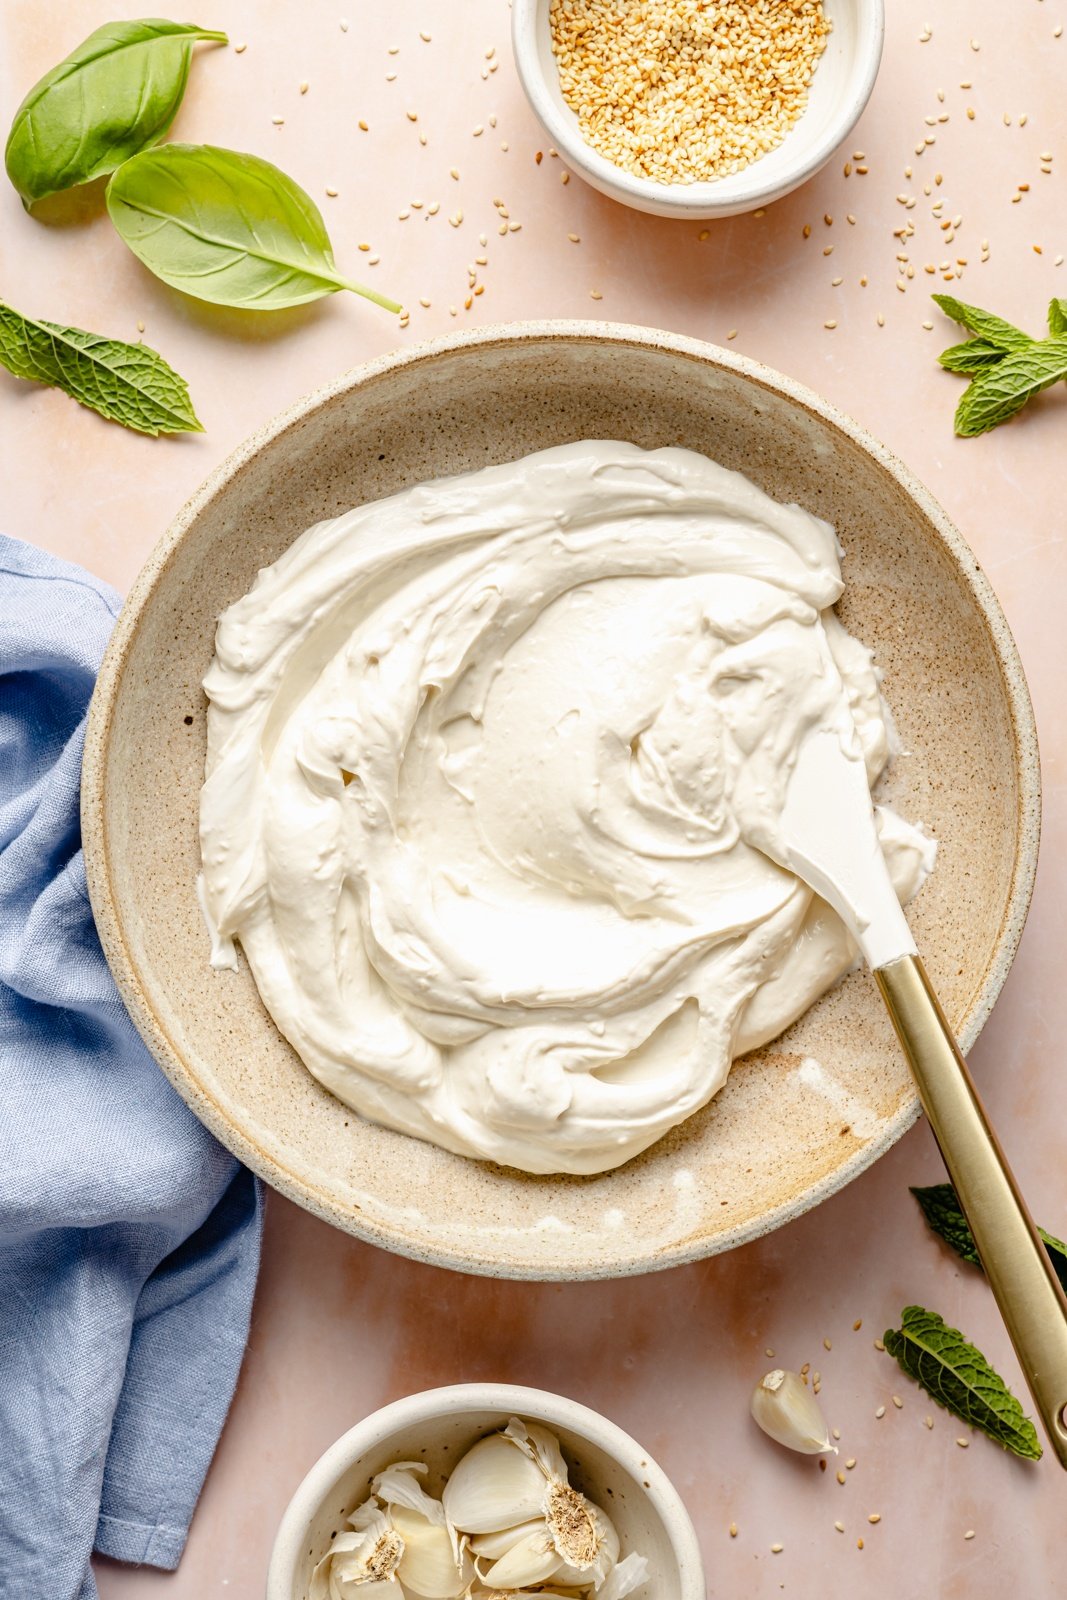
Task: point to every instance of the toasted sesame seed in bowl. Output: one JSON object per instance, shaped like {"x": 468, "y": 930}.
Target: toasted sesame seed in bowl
{"x": 697, "y": 108}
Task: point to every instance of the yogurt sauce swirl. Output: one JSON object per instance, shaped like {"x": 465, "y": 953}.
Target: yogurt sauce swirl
{"x": 471, "y": 754}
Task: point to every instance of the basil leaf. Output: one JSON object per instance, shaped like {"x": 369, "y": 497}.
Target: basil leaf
{"x": 1057, "y": 317}
{"x": 942, "y": 1211}
{"x": 999, "y": 392}
{"x": 126, "y": 383}
{"x": 960, "y": 1378}
{"x": 116, "y": 93}
{"x": 998, "y": 332}
{"x": 971, "y": 356}
{"x": 226, "y": 227}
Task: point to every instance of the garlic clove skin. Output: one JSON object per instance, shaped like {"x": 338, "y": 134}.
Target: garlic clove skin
{"x": 429, "y": 1566}
{"x": 630, "y": 1573}
{"x": 787, "y": 1411}
{"x": 399, "y": 1486}
{"x": 494, "y": 1486}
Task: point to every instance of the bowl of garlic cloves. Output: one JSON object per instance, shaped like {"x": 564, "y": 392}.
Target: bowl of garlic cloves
{"x": 485, "y": 1492}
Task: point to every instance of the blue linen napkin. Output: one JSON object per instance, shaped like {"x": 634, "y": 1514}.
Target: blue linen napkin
{"x": 129, "y": 1239}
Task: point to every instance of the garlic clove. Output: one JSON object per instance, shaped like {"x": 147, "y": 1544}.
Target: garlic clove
{"x": 493, "y": 1486}
{"x": 497, "y": 1544}
{"x": 587, "y": 1543}
{"x": 530, "y": 1560}
{"x": 429, "y": 1565}
{"x": 361, "y": 1564}
{"x": 786, "y": 1410}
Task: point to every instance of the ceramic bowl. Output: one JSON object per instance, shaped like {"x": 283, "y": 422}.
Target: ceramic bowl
{"x": 797, "y": 1119}
{"x": 438, "y": 1426}
{"x": 840, "y": 88}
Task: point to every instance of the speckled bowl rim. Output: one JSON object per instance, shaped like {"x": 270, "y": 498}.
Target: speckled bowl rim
{"x": 516, "y": 1400}
{"x": 109, "y": 922}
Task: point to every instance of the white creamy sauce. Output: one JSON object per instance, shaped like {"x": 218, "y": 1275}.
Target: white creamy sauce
{"x": 472, "y": 758}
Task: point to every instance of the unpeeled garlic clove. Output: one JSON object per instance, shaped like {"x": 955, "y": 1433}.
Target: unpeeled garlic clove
{"x": 497, "y": 1544}
{"x": 531, "y": 1559}
{"x": 588, "y": 1544}
{"x": 430, "y": 1566}
{"x": 495, "y": 1485}
{"x": 786, "y": 1410}
{"x": 361, "y": 1564}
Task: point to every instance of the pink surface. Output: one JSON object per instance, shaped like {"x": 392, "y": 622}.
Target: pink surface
{"x": 340, "y": 1328}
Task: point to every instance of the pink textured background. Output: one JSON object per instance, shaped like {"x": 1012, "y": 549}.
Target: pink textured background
{"x": 340, "y": 1328}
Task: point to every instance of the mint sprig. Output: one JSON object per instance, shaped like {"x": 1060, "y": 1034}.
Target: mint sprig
{"x": 1007, "y": 366}
{"x": 944, "y": 1216}
{"x": 959, "y": 1378}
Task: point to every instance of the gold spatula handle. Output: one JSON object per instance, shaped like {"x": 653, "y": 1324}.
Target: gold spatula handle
{"x": 1016, "y": 1263}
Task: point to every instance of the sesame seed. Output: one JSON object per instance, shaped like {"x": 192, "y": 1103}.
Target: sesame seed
{"x": 595, "y": 294}
{"x": 835, "y": 281}
{"x": 424, "y": 303}
{"x": 840, "y": 1477}
{"x": 776, "y": 1549}
{"x": 344, "y": 24}
{"x": 840, "y": 1526}
{"x": 1058, "y": 261}
{"x": 878, "y": 1344}
{"x": 835, "y": 1433}
{"x": 975, "y": 45}
{"x": 331, "y": 192}
{"x": 304, "y": 87}
{"x": 850, "y": 1463}
{"x": 963, "y": 1443}
{"x": 970, "y": 113}
{"x": 880, "y": 320}
{"x": 564, "y": 177}
{"x": 239, "y": 49}
{"x": 574, "y": 239}
{"x": 425, "y": 37}
{"x": 278, "y": 121}
{"x": 733, "y": 1530}
{"x": 456, "y": 218}
{"x": 363, "y": 126}
{"x": 830, "y": 324}
{"x": 140, "y": 327}
{"x": 875, "y": 1516}
{"x": 850, "y": 219}
{"x": 863, "y": 171}
{"x": 881, "y": 1409}
{"x": 828, "y": 250}
{"x": 969, "y": 1534}
{"x": 478, "y": 131}
{"x": 372, "y": 261}
{"x": 412, "y": 116}
{"x": 654, "y": 99}
{"x": 859, "y": 1544}
{"x": 928, "y": 1421}
{"x": 898, "y": 1402}
{"x": 732, "y": 334}
{"x": 453, "y": 172}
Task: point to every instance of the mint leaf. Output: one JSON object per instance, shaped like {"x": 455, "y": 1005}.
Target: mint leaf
{"x": 1057, "y": 317}
{"x": 126, "y": 383}
{"x": 973, "y": 356}
{"x": 999, "y": 392}
{"x": 960, "y": 1378}
{"x": 998, "y": 332}
{"x": 942, "y": 1211}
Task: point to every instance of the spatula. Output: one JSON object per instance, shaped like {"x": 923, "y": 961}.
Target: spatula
{"x": 826, "y": 835}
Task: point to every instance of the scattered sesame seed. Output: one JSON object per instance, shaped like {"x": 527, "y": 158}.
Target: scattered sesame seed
{"x": 344, "y": 24}
{"x": 733, "y": 1530}
{"x": 331, "y": 192}
{"x": 878, "y": 1344}
{"x": 963, "y": 1443}
{"x": 928, "y": 1421}
{"x": 372, "y": 261}
{"x": 859, "y": 1544}
{"x": 881, "y": 1409}
{"x": 564, "y": 177}
{"x": 875, "y": 1516}
{"x": 863, "y": 281}
{"x": 732, "y": 334}
{"x": 574, "y": 239}
{"x": 425, "y": 37}
{"x": 898, "y": 1402}
{"x": 776, "y": 1549}
{"x": 850, "y": 219}
{"x": 880, "y": 320}
{"x": 840, "y": 1526}
{"x": 239, "y": 49}
{"x": 277, "y": 121}
{"x": 412, "y": 116}
{"x": 492, "y": 124}
{"x": 902, "y": 286}
{"x": 833, "y": 284}
{"x": 970, "y": 113}
{"x": 304, "y": 87}
{"x": 806, "y": 1368}
{"x": 1057, "y": 31}
{"x": 850, "y": 1463}
{"x": 468, "y": 302}
{"x": 863, "y": 171}
{"x": 831, "y": 324}
{"x": 1058, "y": 261}
{"x": 424, "y": 302}
{"x": 140, "y": 327}
{"x": 363, "y": 126}
{"x": 595, "y": 294}
{"x": 456, "y": 218}
{"x": 806, "y": 230}
{"x": 478, "y": 131}
{"x": 975, "y": 45}
{"x": 1036, "y": 248}
{"x": 840, "y": 1477}
{"x": 828, "y": 250}
{"x": 969, "y": 1534}
{"x": 835, "y": 1433}
{"x": 1024, "y": 119}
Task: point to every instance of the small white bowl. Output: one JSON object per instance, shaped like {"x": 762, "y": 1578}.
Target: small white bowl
{"x": 438, "y": 1426}
{"x": 841, "y": 87}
